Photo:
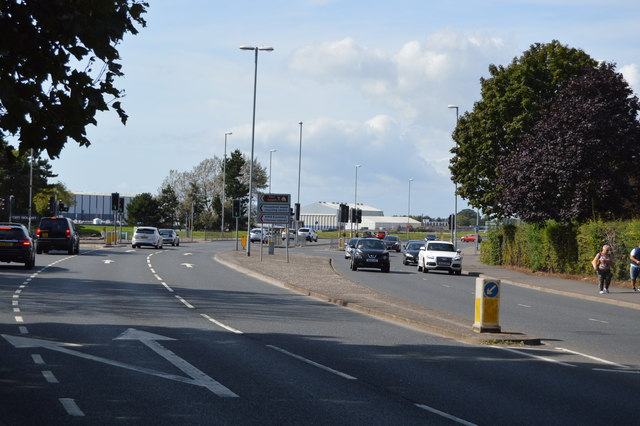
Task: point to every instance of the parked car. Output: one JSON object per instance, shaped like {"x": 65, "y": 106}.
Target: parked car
{"x": 16, "y": 245}
{"x": 381, "y": 234}
{"x": 370, "y": 253}
{"x": 431, "y": 237}
{"x": 349, "y": 247}
{"x": 367, "y": 234}
{"x": 57, "y": 233}
{"x": 411, "y": 250}
{"x": 170, "y": 236}
{"x": 146, "y": 236}
{"x": 308, "y": 234}
{"x": 257, "y": 234}
{"x": 392, "y": 243}
{"x": 471, "y": 238}
{"x": 291, "y": 234}
{"x": 440, "y": 255}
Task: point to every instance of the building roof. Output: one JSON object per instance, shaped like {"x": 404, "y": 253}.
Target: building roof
{"x": 331, "y": 208}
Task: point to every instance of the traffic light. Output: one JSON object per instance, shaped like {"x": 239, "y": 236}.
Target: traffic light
{"x": 343, "y": 213}
{"x": 121, "y": 205}
{"x": 235, "y": 208}
{"x": 452, "y": 221}
{"x": 297, "y": 211}
{"x": 352, "y": 215}
{"x": 359, "y": 215}
{"x": 52, "y": 205}
{"x": 1, "y": 203}
{"x": 114, "y": 201}
{"x": 61, "y": 206}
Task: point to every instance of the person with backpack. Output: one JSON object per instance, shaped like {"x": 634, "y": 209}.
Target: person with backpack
{"x": 603, "y": 265}
{"x": 634, "y": 260}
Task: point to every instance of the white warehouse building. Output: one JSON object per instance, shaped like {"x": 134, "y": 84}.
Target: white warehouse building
{"x": 324, "y": 215}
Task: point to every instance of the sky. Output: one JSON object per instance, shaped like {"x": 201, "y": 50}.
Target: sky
{"x": 370, "y": 80}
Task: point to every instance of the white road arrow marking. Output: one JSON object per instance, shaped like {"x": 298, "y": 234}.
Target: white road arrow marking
{"x": 202, "y": 380}
{"x": 150, "y": 340}
{"x": 188, "y": 265}
{"x": 107, "y": 261}
{"x": 187, "y": 254}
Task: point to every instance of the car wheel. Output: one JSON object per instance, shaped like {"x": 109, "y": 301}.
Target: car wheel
{"x": 178, "y": 244}
{"x": 404, "y": 262}
{"x": 133, "y": 246}
{"x": 424, "y": 268}
{"x": 386, "y": 268}
{"x": 29, "y": 264}
{"x": 451, "y": 271}
{"x": 70, "y": 249}
{"x": 354, "y": 267}
{"x": 459, "y": 272}
{"x": 419, "y": 267}
{"x": 38, "y": 250}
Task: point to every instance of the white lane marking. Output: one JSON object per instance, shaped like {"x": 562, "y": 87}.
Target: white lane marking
{"x": 167, "y": 287}
{"x": 23, "y": 330}
{"x": 71, "y": 407}
{"x": 606, "y": 370}
{"x": 16, "y": 310}
{"x": 187, "y": 304}
{"x": 315, "y": 364}
{"x": 445, "y": 285}
{"x": 19, "y": 319}
{"x": 108, "y": 261}
{"x": 603, "y": 361}
{"x": 597, "y": 320}
{"x": 188, "y": 265}
{"x": 17, "y": 291}
{"x": 524, "y": 306}
{"x": 218, "y": 323}
{"x": 37, "y": 359}
{"x": 14, "y": 303}
{"x": 538, "y": 357}
{"x": 445, "y": 415}
{"x": 157, "y": 277}
{"x": 187, "y": 254}
{"x": 49, "y": 377}
{"x": 150, "y": 340}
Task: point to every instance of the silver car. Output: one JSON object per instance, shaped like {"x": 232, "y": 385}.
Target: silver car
{"x": 170, "y": 236}
{"x": 349, "y": 247}
{"x": 146, "y": 236}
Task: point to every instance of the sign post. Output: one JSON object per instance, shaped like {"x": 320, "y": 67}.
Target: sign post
{"x": 275, "y": 209}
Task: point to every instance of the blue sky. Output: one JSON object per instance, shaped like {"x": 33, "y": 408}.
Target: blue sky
{"x": 370, "y": 80}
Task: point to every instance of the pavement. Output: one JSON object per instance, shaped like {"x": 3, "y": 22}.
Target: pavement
{"x": 315, "y": 276}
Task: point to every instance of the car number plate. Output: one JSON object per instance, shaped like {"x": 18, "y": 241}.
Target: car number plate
{"x": 5, "y": 244}
{"x": 441, "y": 263}
{"x": 372, "y": 260}
{"x": 45, "y": 235}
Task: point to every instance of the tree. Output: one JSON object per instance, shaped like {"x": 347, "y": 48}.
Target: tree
{"x": 512, "y": 100}
{"x": 58, "y": 191}
{"x": 167, "y": 206}
{"x": 577, "y": 161}
{"x": 143, "y": 209}
{"x": 58, "y": 65}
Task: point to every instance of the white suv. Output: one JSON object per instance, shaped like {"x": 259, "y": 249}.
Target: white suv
{"x": 441, "y": 256}
{"x": 308, "y": 234}
{"x": 146, "y": 236}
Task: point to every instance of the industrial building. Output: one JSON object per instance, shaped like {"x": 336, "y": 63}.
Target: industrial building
{"x": 324, "y": 215}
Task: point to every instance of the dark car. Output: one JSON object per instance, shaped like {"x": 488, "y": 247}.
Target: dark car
{"x": 370, "y": 253}
{"x": 16, "y": 245}
{"x": 57, "y": 233}
{"x": 411, "y": 251}
{"x": 392, "y": 243}
{"x": 367, "y": 234}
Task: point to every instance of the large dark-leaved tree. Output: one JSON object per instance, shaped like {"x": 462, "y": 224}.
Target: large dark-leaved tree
{"x": 512, "y": 99}
{"x": 58, "y": 64}
{"x": 143, "y": 210}
{"x": 578, "y": 160}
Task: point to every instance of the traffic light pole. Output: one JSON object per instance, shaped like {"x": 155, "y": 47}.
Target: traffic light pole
{"x": 237, "y": 233}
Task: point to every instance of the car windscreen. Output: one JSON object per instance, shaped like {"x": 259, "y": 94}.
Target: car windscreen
{"x": 11, "y": 234}
{"x": 54, "y": 225}
{"x": 371, "y": 244}
{"x": 165, "y": 231}
{"x": 144, "y": 231}
{"x": 414, "y": 246}
{"x": 441, "y": 247}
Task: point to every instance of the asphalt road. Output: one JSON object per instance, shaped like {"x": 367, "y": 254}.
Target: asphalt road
{"x": 122, "y": 336}
{"x": 601, "y": 330}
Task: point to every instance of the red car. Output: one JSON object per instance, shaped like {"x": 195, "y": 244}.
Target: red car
{"x": 471, "y": 238}
{"x": 381, "y": 234}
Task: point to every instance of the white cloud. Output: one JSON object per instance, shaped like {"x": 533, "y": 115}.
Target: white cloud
{"x": 631, "y": 73}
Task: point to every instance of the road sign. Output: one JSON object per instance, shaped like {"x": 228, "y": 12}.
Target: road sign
{"x": 274, "y": 208}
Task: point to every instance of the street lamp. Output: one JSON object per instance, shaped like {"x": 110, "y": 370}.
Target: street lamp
{"x": 355, "y": 199}
{"x": 409, "y": 207}
{"x": 454, "y": 232}
{"x": 224, "y": 180}
{"x": 253, "y": 133}
{"x": 271, "y": 151}
{"x": 299, "y": 169}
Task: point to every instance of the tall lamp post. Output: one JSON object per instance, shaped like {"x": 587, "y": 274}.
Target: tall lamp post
{"x": 253, "y": 134}
{"x": 454, "y": 232}
{"x": 299, "y": 169}
{"x": 224, "y": 180}
{"x": 271, "y": 151}
{"x": 355, "y": 198}
{"x": 409, "y": 207}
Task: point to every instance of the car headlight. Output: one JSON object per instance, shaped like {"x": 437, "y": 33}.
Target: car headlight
{"x": 430, "y": 257}
{"x": 458, "y": 258}
{"x": 385, "y": 256}
{"x": 408, "y": 255}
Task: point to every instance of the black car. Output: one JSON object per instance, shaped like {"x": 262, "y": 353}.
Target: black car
{"x": 392, "y": 243}
{"x": 370, "y": 253}
{"x": 16, "y": 245}
{"x": 57, "y": 233}
{"x": 411, "y": 250}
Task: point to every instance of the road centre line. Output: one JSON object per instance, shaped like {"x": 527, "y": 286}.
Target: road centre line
{"x": 606, "y": 370}
{"x": 49, "y": 377}
{"x": 315, "y": 364}
{"x": 524, "y": 306}
{"x": 187, "y": 304}
{"x": 597, "y": 320}
{"x": 166, "y": 286}
{"x": 538, "y": 357}
{"x": 71, "y": 407}
{"x": 604, "y": 361}
{"x": 37, "y": 359}
{"x": 445, "y": 415}
{"x": 218, "y": 323}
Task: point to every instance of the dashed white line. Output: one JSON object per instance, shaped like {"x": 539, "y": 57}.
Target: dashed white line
{"x": 71, "y": 407}
{"x": 187, "y": 304}
{"x": 23, "y": 330}
{"x": 445, "y": 415}
{"x": 49, "y": 377}
{"x": 19, "y": 319}
{"x": 157, "y": 277}
{"x": 16, "y": 310}
{"x": 591, "y": 357}
{"x": 524, "y": 306}
{"x": 315, "y": 364}
{"x": 538, "y": 357}
{"x": 218, "y": 323}
{"x": 37, "y": 359}
{"x": 597, "y": 320}
{"x": 167, "y": 286}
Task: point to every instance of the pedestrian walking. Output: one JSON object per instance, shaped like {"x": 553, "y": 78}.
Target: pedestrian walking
{"x": 634, "y": 260}
{"x": 603, "y": 265}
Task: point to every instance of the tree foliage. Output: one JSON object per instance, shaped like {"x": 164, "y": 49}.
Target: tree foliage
{"x": 143, "y": 209}
{"x": 167, "y": 206}
{"x": 58, "y": 65}
{"x": 576, "y": 161}
{"x": 512, "y": 99}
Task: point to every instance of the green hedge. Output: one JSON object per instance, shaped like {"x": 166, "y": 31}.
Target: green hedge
{"x": 560, "y": 247}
